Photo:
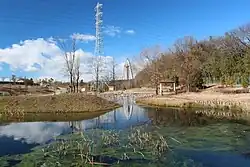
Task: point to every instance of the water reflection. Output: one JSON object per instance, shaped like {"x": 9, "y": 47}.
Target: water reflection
{"x": 128, "y": 107}
{"x": 35, "y": 132}
{"x": 42, "y": 132}
{"x": 175, "y": 117}
{"x": 218, "y": 159}
{"x": 9, "y": 146}
{"x": 198, "y": 132}
{"x": 188, "y": 117}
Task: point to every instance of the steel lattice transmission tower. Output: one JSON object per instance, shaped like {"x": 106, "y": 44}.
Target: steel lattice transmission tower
{"x": 98, "y": 42}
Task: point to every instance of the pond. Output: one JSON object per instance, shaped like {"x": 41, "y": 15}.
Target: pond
{"x": 130, "y": 135}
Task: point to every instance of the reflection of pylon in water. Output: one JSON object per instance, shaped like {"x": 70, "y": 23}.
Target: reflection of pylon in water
{"x": 75, "y": 126}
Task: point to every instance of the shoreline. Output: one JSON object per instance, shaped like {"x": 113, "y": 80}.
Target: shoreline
{"x": 231, "y": 102}
{"x": 53, "y": 117}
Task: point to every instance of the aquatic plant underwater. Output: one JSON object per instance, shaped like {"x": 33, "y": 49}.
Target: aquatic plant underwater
{"x": 138, "y": 146}
{"x": 135, "y": 147}
{"x": 170, "y": 138}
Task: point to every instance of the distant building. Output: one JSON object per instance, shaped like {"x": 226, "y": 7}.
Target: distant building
{"x": 20, "y": 81}
{"x": 122, "y": 84}
{"x": 37, "y": 81}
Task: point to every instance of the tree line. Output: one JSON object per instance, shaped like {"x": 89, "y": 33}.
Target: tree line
{"x": 223, "y": 59}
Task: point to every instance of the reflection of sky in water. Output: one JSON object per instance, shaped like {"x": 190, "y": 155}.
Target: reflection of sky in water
{"x": 20, "y": 137}
{"x": 20, "y": 134}
{"x": 35, "y": 132}
{"x": 217, "y": 159}
{"x": 119, "y": 118}
{"x": 10, "y": 146}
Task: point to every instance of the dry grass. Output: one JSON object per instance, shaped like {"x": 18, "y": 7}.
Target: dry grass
{"x": 16, "y": 90}
{"x": 52, "y": 117}
{"x": 202, "y": 99}
{"x": 102, "y": 148}
{"x": 67, "y": 103}
{"x": 164, "y": 101}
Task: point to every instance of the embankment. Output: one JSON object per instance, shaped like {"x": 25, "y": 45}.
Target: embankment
{"x": 18, "y": 106}
{"x": 236, "y": 102}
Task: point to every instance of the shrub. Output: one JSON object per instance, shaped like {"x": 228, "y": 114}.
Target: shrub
{"x": 230, "y": 81}
{"x": 244, "y": 81}
{"x": 197, "y": 80}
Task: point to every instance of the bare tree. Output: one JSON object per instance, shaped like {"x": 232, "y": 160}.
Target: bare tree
{"x": 13, "y": 78}
{"x": 151, "y": 56}
{"x": 77, "y": 72}
{"x": 72, "y": 63}
{"x": 69, "y": 57}
{"x": 99, "y": 66}
{"x": 111, "y": 76}
{"x": 106, "y": 79}
{"x": 139, "y": 63}
{"x": 113, "y": 64}
{"x": 139, "y": 70}
{"x": 186, "y": 56}
{"x": 241, "y": 36}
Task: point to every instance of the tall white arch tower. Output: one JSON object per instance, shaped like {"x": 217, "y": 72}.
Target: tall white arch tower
{"x": 128, "y": 71}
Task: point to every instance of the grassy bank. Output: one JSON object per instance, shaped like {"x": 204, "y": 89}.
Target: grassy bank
{"x": 239, "y": 102}
{"x": 166, "y": 102}
{"x": 18, "y": 106}
{"x": 51, "y": 117}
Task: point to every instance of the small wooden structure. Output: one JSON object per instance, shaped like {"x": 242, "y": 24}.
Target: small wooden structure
{"x": 83, "y": 89}
{"x": 111, "y": 87}
{"x": 168, "y": 81}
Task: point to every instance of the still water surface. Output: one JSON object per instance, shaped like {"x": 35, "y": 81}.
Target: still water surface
{"x": 205, "y": 141}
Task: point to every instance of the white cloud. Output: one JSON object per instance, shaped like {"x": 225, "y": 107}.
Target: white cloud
{"x": 130, "y": 32}
{"x": 112, "y": 30}
{"x": 116, "y": 31}
{"x": 46, "y": 58}
{"x": 83, "y": 37}
{"x": 27, "y": 53}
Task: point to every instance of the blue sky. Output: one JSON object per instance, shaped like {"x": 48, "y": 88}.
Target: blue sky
{"x": 152, "y": 21}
